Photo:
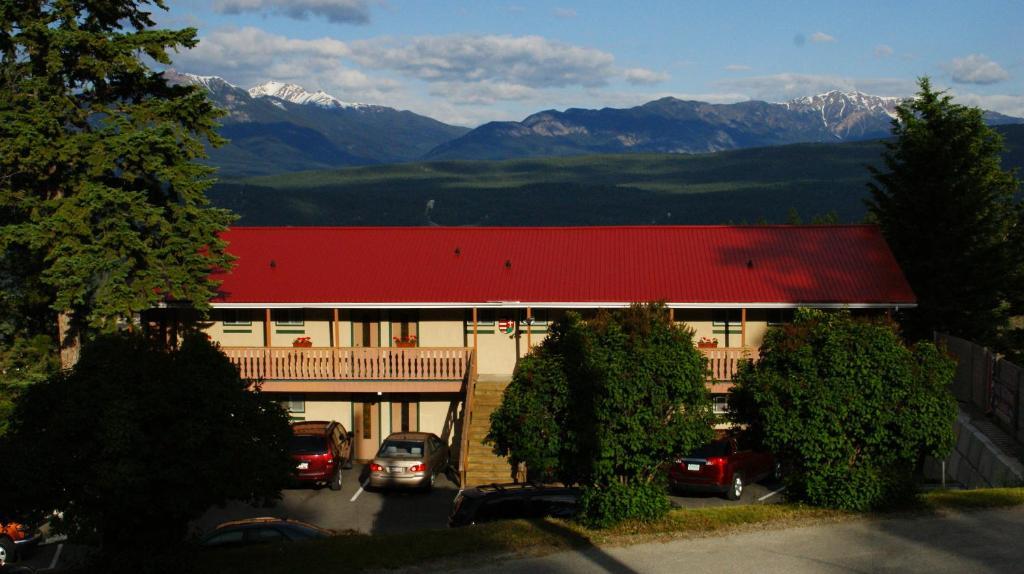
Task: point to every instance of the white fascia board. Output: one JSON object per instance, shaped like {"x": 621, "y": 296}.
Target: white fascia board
{"x": 556, "y": 305}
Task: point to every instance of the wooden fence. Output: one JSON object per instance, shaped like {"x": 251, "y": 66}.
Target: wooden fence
{"x": 987, "y": 381}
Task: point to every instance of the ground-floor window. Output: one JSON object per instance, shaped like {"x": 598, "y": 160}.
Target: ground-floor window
{"x": 720, "y": 404}
{"x": 295, "y": 404}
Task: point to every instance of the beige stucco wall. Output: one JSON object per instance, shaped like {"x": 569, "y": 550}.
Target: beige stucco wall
{"x": 441, "y": 328}
{"x": 434, "y": 413}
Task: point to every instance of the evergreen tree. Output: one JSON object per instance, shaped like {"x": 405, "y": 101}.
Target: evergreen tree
{"x": 948, "y": 211}
{"x": 99, "y": 190}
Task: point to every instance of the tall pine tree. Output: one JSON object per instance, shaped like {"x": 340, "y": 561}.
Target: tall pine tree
{"x": 949, "y": 212}
{"x": 99, "y": 190}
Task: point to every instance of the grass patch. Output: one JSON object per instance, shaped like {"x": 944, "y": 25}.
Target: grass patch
{"x": 518, "y": 538}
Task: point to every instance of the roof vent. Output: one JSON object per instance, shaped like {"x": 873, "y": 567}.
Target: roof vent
{"x": 273, "y": 264}
{"x": 458, "y": 252}
{"x": 750, "y": 263}
{"x": 508, "y": 264}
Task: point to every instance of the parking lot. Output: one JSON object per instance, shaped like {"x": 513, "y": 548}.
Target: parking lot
{"x": 373, "y": 512}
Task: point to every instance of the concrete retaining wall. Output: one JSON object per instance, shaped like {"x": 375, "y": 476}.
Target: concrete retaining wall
{"x": 975, "y": 462}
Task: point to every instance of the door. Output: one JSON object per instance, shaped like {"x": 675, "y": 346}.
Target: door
{"x": 365, "y": 329}
{"x": 366, "y": 429}
{"x": 404, "y": 411}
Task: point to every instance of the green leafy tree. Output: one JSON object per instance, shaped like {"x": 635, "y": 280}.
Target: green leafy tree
{"x": 99, "y": 190}
{"x": 605, "y": 403}
{"x": 848, "y": 407}
{"x": 136, "y": 441}
{"x": 948, "y": 211}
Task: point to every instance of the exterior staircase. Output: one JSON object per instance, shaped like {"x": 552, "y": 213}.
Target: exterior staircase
{"x": 482, "y": 465}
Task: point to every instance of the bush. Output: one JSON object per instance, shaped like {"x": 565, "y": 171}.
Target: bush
{"x": 135, "y": 442}
{"x": 605, "y": 403}
{"x": 605, "y": 505}
{"x": 849, "y": 409}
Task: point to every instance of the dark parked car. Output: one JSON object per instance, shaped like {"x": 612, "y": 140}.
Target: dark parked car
{"x": 511, "y": 501}
{"x": 724, "y": 466}
{"x": 409, "y": 459}
{"x": 263, "y": 530}
{"x": 320, "y": 449}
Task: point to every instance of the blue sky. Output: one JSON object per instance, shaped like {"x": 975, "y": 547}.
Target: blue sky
{"x": 470, "y": 62}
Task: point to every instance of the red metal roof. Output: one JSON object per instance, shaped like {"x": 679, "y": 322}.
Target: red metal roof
{"x": 826, "y": 264}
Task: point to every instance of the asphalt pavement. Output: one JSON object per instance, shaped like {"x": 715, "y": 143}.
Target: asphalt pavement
{"x": 976, "y": 542}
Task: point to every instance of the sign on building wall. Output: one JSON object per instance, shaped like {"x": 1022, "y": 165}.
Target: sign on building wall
{"x": 506, "y": 326}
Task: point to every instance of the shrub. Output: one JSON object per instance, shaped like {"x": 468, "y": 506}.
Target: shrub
{"x": 605, "y": 403}
{"x": 849, "y": 408}
{"x": 605, "y": 505}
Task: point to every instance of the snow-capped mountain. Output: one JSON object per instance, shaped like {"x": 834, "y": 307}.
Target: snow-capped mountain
{"x": 296, "y": 94}
{"x": 277, "y": 127}
{"x": 849, "y": 115}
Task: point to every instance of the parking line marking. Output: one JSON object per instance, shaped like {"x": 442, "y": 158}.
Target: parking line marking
{"x": 770, "y": 494}
{"x": 358, "y": 492}
{"x": 56, "y": 557}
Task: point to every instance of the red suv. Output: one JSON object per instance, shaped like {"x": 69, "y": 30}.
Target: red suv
{"x": 724, "y": 466}
{"x": 320, "y": 449}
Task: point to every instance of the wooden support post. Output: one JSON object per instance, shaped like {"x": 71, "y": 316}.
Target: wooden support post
{"x": 334, "y": 343}
{"x": 529, "y": 329}
{"x": 476, "y": 351}
{"x": 671, "y": 315}
{"x": 743, "y": 327}
{"x": 269, "y": 362}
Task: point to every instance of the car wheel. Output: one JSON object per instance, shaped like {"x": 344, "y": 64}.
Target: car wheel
{"x": 6, "y": 550}
{"x": 335, "y": 483}
{"x": 736, "y": 488}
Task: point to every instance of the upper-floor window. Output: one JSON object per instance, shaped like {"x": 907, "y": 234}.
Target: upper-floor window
{"x": 289, "y": 317}
{"x": 236, "y": 317}
{"x": 727, "y": 324}
{"x": 777, "y": 317}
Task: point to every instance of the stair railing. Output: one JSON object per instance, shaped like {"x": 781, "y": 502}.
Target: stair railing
{"x": 467, "y": 417}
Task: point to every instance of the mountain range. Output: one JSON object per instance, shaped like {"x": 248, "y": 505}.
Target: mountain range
{"x": 277, "y": 127}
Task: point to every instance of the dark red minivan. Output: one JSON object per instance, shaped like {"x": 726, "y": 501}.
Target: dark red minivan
{"x": 320, "y": 450}
{"x": 724, "y": 466}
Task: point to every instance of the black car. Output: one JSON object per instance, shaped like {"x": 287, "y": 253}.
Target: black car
{"x": 262, "y": 531}
{"x": 511, "y": 501}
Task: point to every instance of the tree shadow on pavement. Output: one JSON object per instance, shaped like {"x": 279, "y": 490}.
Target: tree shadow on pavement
{"x": 602, "y": 561}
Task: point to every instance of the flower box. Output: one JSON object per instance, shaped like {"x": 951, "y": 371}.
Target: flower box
{"x": 302, "y": 342}
{"x": 705, "y": 343}
{"x": 406, "y": 342}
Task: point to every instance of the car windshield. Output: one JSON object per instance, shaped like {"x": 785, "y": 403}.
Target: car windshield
{"x": 401, "y": 448}
{"x": 717, "y": 448}
{"x": 307, "y": 444}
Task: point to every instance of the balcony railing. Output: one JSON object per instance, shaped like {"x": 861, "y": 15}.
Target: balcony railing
{"x": 351, "y": 363}
{"x": 723, "y": 362}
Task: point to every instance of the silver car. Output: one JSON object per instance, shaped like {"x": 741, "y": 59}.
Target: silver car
{"x": 409, "y": 459}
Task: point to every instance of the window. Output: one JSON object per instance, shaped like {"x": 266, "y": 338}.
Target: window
{"x": 231, "y": 537}
{"x": 236, "y": 318}
{"x": 720, "y": 403}
{"x": 289, "y": 317}
{"x": 268, "y": 535}
{"x": 294, "y": 403}
{"x": 726, "y": 322}
{"x": 778, "y": 317}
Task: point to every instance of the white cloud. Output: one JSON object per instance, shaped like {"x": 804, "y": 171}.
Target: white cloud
{"x": 339, "y": 11}
{"x": 737, "y": 68}
{"x": 643, "y": 76}
{"x": 531, "y": 61}
{"x": 564, "y": 13}
{"x": 883, "y": 51}
{"x": 821, "y": 37}
{"x": 780, "y": 87}
{"x": 481, "y": 93}
{"x": 1011, "y": 105}
{"x": 976, "y": 69}
{"x": 248, "y": 56}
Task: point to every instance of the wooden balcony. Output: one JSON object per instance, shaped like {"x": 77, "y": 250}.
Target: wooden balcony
{"x": 353, "y": 369}
{"x": 723, "y": 363}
